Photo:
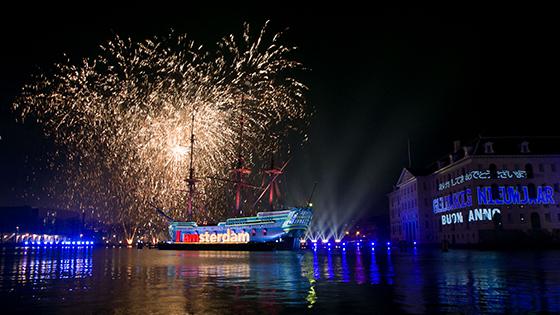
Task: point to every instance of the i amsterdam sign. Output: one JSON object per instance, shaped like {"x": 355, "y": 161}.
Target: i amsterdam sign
{"x": 217, "y": 238}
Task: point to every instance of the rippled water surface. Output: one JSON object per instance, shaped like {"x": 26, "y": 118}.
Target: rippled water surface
{"x": 122, "y": 281}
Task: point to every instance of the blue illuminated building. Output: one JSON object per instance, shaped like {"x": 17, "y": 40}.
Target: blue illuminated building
{"x": 494, "y": 189}
{"x": 29, "y": 226}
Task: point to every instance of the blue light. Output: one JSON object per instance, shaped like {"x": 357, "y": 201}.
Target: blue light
{"x": 26, "y": 243}
{"x": 32, "y": 243}
{"x": 343, "y": 244}
{"x": 388, "y": 243}
{"x": 372, "y": 243}
{"x": 73, "y": 243}
{"x": 414, "y": 243}
{"x": 51, "y": 243}
{"x": 329, "y": 244}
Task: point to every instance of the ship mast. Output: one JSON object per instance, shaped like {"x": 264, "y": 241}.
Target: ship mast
{"x": 191, "y": 181}
{"x": 272, "y": 187}
{"x": 240, "y": 170}
{"x": 273, "y": 173}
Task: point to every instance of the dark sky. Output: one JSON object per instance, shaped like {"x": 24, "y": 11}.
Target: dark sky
{"x": 378, "y": 76}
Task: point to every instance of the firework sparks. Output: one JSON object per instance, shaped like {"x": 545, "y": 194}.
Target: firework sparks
{"x": 122, "y": 121}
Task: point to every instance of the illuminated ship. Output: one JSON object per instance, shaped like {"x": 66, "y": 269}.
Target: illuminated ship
{"x": 280, "y": 229}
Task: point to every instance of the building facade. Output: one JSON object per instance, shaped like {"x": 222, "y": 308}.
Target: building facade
{"x": 495, "y": 189}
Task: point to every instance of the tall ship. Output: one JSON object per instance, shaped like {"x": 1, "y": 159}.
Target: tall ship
{"x": 267, "y": 230}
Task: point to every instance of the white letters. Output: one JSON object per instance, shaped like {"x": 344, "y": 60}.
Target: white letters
{"x": 228, "y": 237}
{"x": 484, "y": 214}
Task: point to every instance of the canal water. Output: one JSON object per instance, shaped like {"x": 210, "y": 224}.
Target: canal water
{"x": 380, "y": 281}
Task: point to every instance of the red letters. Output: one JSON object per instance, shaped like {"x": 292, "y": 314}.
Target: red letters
{"x": 191, "y": 238}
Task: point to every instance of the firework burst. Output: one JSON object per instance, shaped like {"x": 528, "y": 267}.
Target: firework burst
{"x": 122, "y": 122}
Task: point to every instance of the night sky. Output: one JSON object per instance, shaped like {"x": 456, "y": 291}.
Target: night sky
{"x": 378, "y": 76}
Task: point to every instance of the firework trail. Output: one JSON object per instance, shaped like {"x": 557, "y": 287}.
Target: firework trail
{"x": 122, "y": 122}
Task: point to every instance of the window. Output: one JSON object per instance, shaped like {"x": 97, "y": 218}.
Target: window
{"x": 529, "y": 170}
{"x": 524, "y": 147}
{"x": 496, "y": 192}
{"x": 541, "y": 167}
{"x": 509, "y": 217}
{"x": 553, "y": 167}
{"x": 532, "y": 191}
{"x": 556, "y": 187}
{"x": 493, "y": 171}
{"x": 489, "y": 148}
{"x": 547, "y": 217}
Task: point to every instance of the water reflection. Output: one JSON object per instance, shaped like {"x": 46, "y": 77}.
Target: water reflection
{"x": 34, "y": 266}
{"x": 151, "y": 281}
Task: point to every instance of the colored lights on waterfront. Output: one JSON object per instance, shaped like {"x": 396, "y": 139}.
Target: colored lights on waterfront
{"x": 58, "y": 243}
{"x": 354, "y": 245}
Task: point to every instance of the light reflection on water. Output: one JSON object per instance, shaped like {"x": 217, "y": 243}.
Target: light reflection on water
{"x": 167, "y": 282}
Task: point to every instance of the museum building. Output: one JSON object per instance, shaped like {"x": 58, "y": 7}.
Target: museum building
{"x": 499, "y": 187}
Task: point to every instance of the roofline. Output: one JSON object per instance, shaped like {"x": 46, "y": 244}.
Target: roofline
{"x": 525, "y": 155}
